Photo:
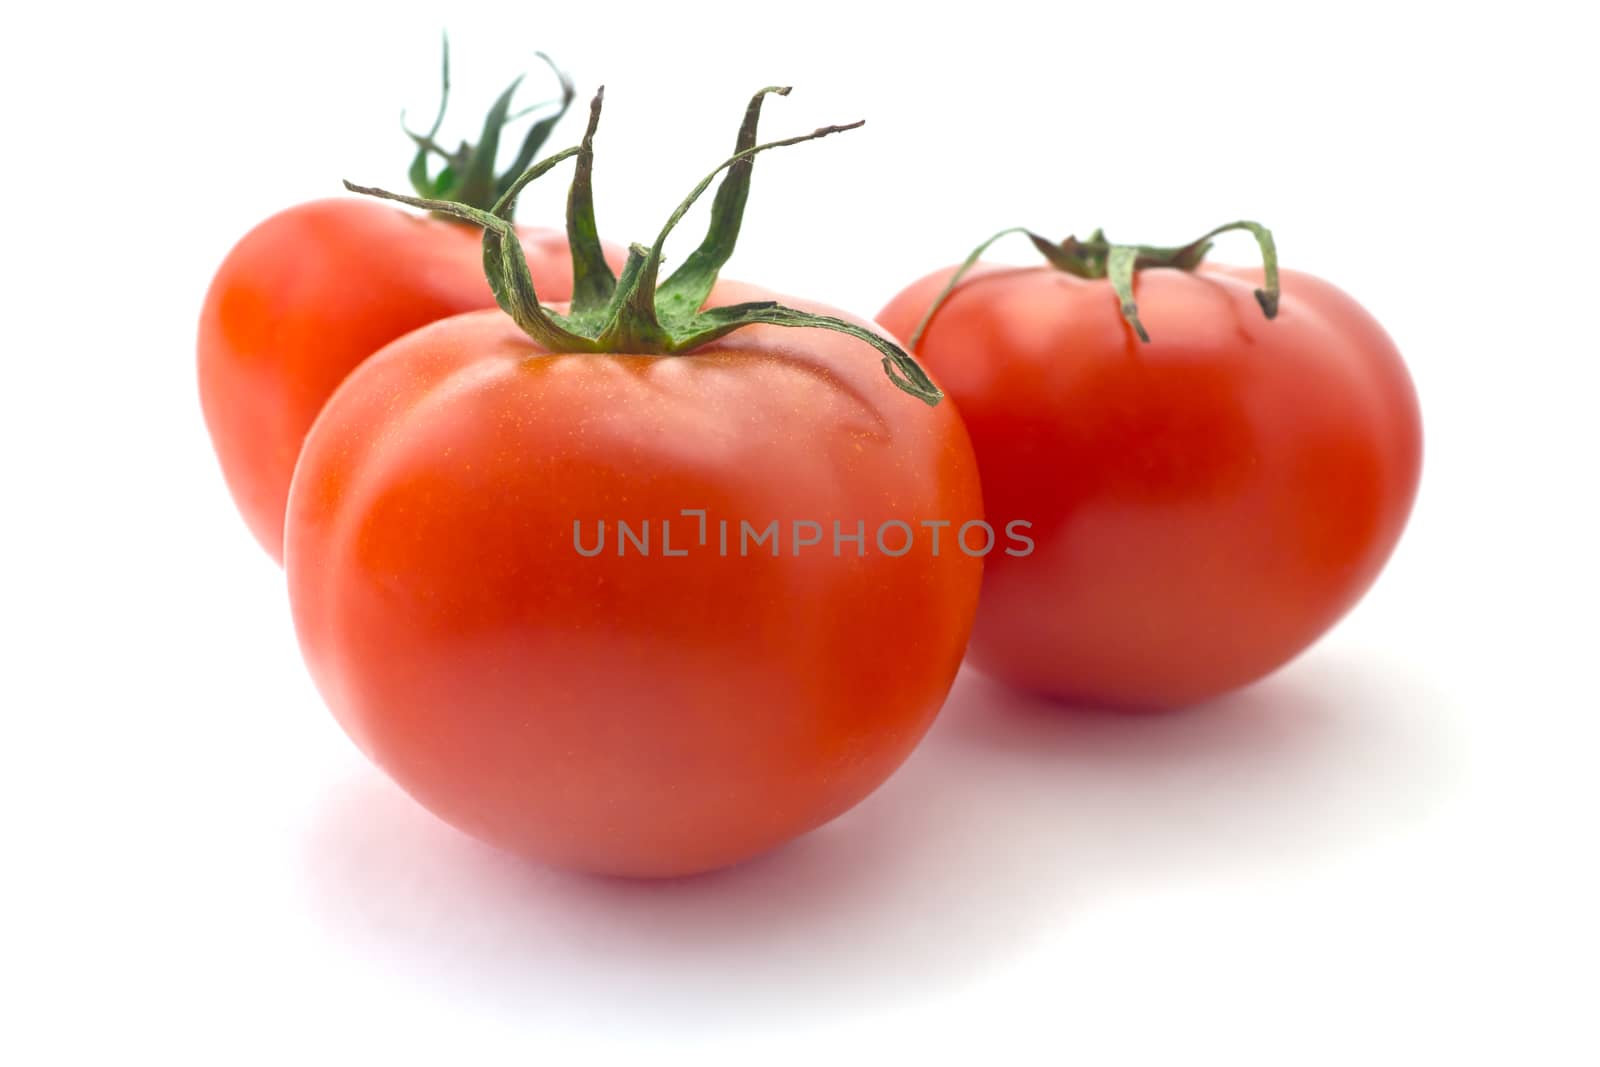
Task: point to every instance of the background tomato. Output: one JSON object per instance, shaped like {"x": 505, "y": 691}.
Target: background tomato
{"x": 1205, "y": 505}
{"x": 302, "y": 300}
{"x": 308, "y": 294}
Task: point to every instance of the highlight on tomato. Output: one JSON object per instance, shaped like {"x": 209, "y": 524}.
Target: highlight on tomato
{"x": 643, "y": 584}
{"x": 1217, "y": 462}
{"x": 308, "y": 294}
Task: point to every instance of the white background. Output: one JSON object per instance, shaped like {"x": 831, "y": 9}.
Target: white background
{"x": 1383, "y": 854}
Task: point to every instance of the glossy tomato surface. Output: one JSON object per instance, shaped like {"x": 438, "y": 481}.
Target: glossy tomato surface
{"x": 307, "y": 295}
{"x": 1204, "y": 505}
{"x": 629, "y": 712}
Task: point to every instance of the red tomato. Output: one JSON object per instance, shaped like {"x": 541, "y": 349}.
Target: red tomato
{"x": 1204, "y": 505}
{"x": 629, "y": 714}
{"x": 672, "y": 700}
{"x": 302, "y": 300}
{"x": 311, "y": 292}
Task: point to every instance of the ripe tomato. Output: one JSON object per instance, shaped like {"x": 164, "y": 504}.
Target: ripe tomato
{"x": 627, "y": 714}
{"x": 314, "y": 290}
{"x": 301, "y": 301}
{"x": 673, "y": 699}
{"x": 1204, "y": 505}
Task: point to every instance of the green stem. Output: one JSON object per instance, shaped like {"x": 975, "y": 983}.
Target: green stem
{"x": 691, "y": 283}
{"x": 1267, "y": 295}
{"x": 1098, "y": 258}
{"x": 504, "y": 261}
{"x": 540, "y": 131}
{"x": 653, "y": 264}
{"x": 955, "y": 279}
{"x": 425, "y": 143}
{"x": 1120, "y": 262}
{"x": 592, "y": 280}
{"x": 631, "y": 314}
{"x": 468, "y": 175}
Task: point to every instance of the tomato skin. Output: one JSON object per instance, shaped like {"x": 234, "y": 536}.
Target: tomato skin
{"x": 307, "y": 295}
{"x": 1204, "y": 506}
{"x": 632, "y": 715}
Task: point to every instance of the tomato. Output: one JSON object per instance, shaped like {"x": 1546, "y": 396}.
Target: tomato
{"x": 1204, "y": 505}
{"x": 308, "y": 294}
{"x": 301, "y": 301}
{"x": 628, "y": 714}
{"x": 672, "y": 697}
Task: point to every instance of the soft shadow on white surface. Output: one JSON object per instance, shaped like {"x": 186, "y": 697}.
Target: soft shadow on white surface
{"x": 1014, "y": 816}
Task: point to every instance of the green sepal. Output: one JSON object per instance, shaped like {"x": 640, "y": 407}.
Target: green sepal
{"x": 681, "y": 295}
{"x": 900, "y": 368}
{"x": 504, "y": 262}
{"x": 1097, "y": 257}
{"x": 540, "y": 131}
{"x": 593, "y": 284}
{"x": 477, "y": 184}
{"x": 633, "y": 325}
{"x": 1120, "y": 260}
{"x": 418, "y": 172}
{"x": 468, "y": 174}
{"x": 631, "y": 313}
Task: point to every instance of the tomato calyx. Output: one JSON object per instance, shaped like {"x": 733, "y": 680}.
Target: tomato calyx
{"x": 1099, "y": 258}
{"x": 468, "y": 175}
{"x": 632, "y": 313}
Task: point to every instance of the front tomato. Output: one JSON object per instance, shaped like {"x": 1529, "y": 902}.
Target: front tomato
{"x": 628, "y": 712}
{"x": 501, "y": 596}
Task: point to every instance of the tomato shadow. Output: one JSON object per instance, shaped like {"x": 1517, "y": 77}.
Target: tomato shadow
{"x": 1014, "y": 816}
